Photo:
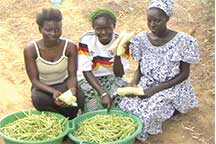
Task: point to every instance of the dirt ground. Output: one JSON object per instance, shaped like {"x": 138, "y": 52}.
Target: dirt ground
{"x": 18, "y": 28}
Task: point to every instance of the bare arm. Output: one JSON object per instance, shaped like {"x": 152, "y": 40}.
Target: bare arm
{"x": 93, "y": 82}
{"x": 136, "y": 77}
{"x": 118, "y": 67}
{"x": 105, "y": 97}
{"x": 72, "y": 73}
{"x": 183, "y": 75}
{"x": 72, "y": 67}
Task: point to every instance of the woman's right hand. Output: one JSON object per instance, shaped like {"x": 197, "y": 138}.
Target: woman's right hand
{"x": 131, "y": 84}
{"x": 106, "y": 101}
{"x": 151, "y": 91}
{"x": 56, "y": 94}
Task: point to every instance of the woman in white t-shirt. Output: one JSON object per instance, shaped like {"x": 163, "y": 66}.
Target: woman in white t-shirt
{"x": 102, "y": 70}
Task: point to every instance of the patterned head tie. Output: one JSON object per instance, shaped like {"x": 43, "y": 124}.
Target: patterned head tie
{"x": 165, "y": 5}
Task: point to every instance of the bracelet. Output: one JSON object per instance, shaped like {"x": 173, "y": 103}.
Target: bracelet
{"x": 103, "y": 94}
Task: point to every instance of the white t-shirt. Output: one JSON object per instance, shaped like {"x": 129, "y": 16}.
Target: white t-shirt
{"x": 94, "y": 56}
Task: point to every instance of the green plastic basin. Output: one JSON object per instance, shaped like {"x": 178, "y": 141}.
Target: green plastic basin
{"x": 13, "y": 117}
{"x": 74, "y": 124}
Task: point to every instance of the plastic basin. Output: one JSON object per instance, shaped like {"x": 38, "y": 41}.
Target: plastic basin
{"x": 74, "y": 124}
{"x": 12, "y": 117}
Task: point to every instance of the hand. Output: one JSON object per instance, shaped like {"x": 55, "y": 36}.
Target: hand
{"x": 150, "y": 91}
{"x": 56, "y": 94}
{"x": 127, "y": 45}
{"x": 106, "y": 101}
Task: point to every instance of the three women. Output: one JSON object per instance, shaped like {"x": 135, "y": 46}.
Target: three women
{"x": 164, "y": 65}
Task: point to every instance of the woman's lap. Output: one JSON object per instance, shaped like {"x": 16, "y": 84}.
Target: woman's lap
{"x": 152, "y": 111}
{"x": 92, "y": 99}
{"x": 43, "y": 101}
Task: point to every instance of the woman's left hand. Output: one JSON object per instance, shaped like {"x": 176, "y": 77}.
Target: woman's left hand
{"x": 150, "y": 91}
{"x": 79, "y": 112}
{"x": 73, "y": 90}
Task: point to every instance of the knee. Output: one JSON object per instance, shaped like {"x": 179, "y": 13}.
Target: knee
{"x": 41, "y": 101}
{"x": 37, "y": 102}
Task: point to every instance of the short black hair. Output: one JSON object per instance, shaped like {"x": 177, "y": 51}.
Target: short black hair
{"x": 48, "y": 14}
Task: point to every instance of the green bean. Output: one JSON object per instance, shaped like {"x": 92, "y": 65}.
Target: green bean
{"x": 105, "y": 128}
{"x": 35, "y": 127}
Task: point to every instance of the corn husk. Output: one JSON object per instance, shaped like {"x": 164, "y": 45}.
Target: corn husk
{"x": 130, "y": 91}
{"x": 68, "y": 98}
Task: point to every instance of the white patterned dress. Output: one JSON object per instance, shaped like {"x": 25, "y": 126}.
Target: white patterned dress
{"x": 160, "y": 64}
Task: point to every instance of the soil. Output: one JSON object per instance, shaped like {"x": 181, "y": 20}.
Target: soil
{"x": 18, "y": 28}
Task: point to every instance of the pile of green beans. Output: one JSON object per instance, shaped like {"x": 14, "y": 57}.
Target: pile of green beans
{"x": 105, "y": 128}
{"x": 35, "y": 127}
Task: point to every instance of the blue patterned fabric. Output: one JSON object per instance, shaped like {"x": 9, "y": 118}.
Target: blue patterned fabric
{"x": 159, "y": 64}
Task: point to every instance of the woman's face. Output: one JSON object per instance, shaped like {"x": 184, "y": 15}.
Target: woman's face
{"x": 51, "y": 31}
{"x": 156, "y": 20}
{"x": 103, "y": 29}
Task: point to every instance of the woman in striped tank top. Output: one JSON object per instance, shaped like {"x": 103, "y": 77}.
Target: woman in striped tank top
{"x": 51, "y": 65}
